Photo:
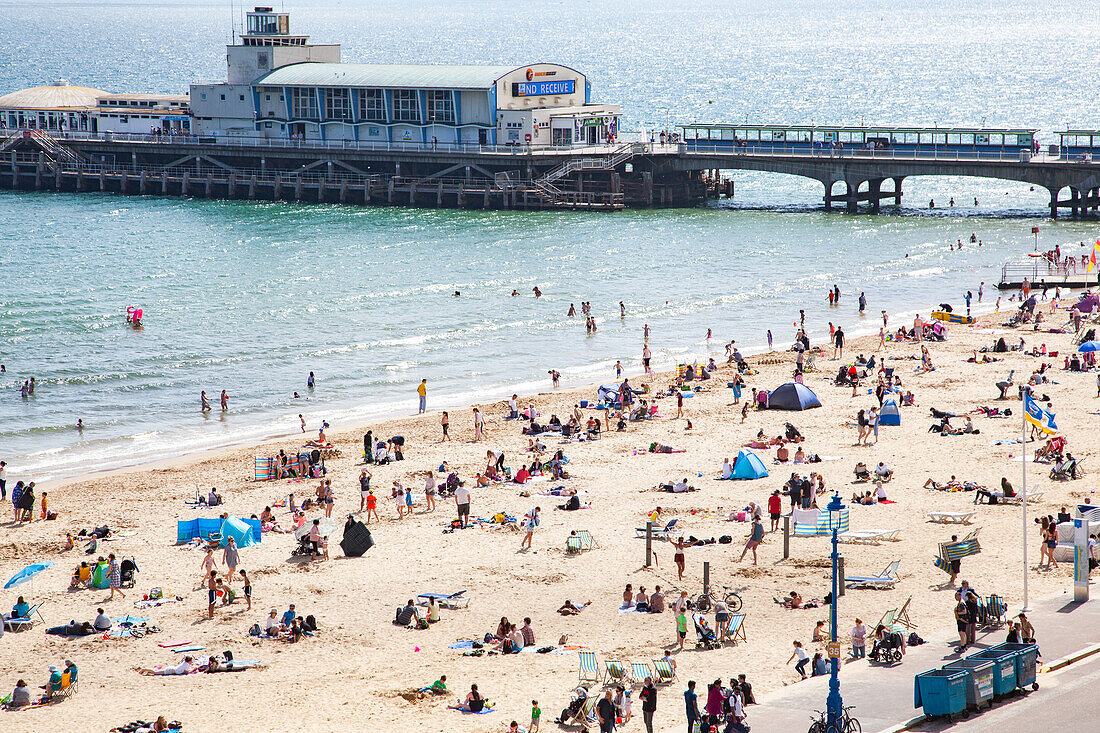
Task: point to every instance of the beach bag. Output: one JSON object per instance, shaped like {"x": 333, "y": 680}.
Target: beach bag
{"x": 725, "y": 539}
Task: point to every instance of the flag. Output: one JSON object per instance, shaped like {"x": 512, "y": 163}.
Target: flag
{"x": 1038, "y": 417}
{"x": 1094, "y": 256}
{"x": 1034, "y": 230}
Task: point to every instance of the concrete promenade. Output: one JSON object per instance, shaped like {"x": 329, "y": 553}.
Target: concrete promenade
{"x": 883, "y": 696}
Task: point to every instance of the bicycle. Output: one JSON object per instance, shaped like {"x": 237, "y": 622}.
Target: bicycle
{"x": 705, "y": 601}
{"x": 848, "y": 724}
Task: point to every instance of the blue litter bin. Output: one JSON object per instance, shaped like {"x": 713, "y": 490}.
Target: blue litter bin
{"x": 941, "y": 692}
{"x": 1004, "y": 669}
{"x": 1026, "y": 658}
{"x": 979, "y": 687}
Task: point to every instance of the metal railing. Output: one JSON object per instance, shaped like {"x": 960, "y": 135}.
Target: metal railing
{"x": 805, "y": 151}
{"x": 358, "y": 145}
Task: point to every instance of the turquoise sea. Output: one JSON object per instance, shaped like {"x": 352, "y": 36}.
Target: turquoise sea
{"x": 251, "y": 296}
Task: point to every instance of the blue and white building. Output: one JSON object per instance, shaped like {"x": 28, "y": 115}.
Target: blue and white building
{"x": 280, "y": 86}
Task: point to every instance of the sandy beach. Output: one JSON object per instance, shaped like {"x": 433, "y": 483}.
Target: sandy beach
{"x": 361, "y": 671}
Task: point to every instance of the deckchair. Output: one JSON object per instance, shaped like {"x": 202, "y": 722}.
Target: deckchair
{"x": 993, "y": 611}
{"x": 21, "y": 623}
{"x": 589, "y": 668}
{"x": 890, "y": 621}
{"x": 902, "y": 616}
{"x": 588, "y": 710}
{"x": 1019, "y": 499}
{"x": 572, "y": 545}
{"x": 615, "y": 672}
{"x": 951, "y": 517}
{"x": 661, "y": 533}
{"x": 886, "y": 579}
{"x": 869, "y": 536}
{"x": 447, "y": 600}
{"x": 639, "y": 671}
{"x": 735, "y": 628}
{"x": 587, "y": 541}
{"x": 666, "y": 674}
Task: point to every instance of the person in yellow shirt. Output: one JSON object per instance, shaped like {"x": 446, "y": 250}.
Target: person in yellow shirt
{"x": 43, "y": 504}
{"x": 422, "y": 390}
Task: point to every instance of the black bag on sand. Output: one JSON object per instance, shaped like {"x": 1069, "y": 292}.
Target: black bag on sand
{"x": 357, "y": 540}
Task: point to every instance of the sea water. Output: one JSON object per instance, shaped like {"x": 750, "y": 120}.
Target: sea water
{"x": 250, "y": 297}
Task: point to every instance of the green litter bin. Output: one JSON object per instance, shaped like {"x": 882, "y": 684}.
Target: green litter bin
{"x": 979, "y": 688}
{"x": 1026, "y": 658}
{"x": 1004, "y": 670}
{"x": 941, "y": 692}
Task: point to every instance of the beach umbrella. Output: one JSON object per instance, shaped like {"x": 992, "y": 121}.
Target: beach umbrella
{"x": 27, "y": 574}
{"x": 1089, "y": 346}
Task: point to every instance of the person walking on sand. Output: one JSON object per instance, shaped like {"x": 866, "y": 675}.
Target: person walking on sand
{"x": 303, "y": 421}
{"x": 838, "y": 343}
{"x": 205, "y": 402}
{"x": 479, "y": 425}
{"x": 648, "y": 696}
{"x": 679, "y": 403}
{"x": 364, "y": 488}
{"x": 372, "y": 506}
{"x": 115, "y": 576}
{"x": 678, "y": 557}
{"x": 247, "y": 589}
{"x": 531, "y": 519}
{"x": 462, "y": 502}
{"x": 755, "y": 537}
{"x": 230, "y": 558}
{"x": 422, "y": 390}
{"x": 681, "y": 626}
{"x": 429, "y": 491}
{"x": 691, "y": 703}
{"x": 803, "y": 659}
{"x": 208, "y": 564}
{"x": 211, "y": 592}
{"x": 445, "y": 425}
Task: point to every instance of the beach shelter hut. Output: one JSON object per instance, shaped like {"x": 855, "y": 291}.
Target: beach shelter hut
{"x": 792, "y": 396}
{"x": 748, "y": 466}
{"x": 239, "y": 530}
{"x": 889, "y": 414}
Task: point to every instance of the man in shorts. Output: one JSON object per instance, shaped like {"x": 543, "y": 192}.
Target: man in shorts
{"x": 364, "y": 489}
{"x": 775, "y": 509}
{"x": 212, "y": 595}
{"x": 462, "y": 500}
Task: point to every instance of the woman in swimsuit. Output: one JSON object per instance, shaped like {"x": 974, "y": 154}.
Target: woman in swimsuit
{"x": 474, "y": 702}
{"x": 678, "y": 558}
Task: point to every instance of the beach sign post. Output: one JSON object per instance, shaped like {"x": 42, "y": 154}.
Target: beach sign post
{"x": 1040, "y": 418}
{"x": 648, "y": 543}
{"x": 835, "y": 705}
{"x": 1080, "y": 560}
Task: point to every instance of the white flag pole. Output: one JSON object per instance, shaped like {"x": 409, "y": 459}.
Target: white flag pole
{"x": 1023, "y": 487}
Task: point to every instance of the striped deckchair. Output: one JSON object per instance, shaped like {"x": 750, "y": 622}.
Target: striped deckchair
{"x": 965, "y": 547}
{"x": 890, "y": 621}
{"x": 639, "y": 671}
{"x": 572, "y": 545}
{"x": 902, "y": 616}
{"x": 587, "y": 541}
{"x": 735, "y": 629}
{"x": 615, "y": 672}
{"x": 666, "y": 674}
{"x": 809, "y": 526}
{"x": 589, "y": 668}
{"x": 264, "y": 467}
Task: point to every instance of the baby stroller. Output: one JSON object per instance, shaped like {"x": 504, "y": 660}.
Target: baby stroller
{"x": 127, "y": 569}
{"x": 888, "y": 649}
{"x": 576, "y": 712}
{"x": 704, "y": 635}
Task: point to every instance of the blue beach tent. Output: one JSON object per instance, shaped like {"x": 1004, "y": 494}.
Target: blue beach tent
{"x": 748, "y": 466}
{"x": 792, "y": 396}
{"x": 889, "y": 414}
{"x": 190, "y": 529}
{"x": 240, "y": 531}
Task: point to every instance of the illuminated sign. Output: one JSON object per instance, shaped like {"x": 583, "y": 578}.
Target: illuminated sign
{"x": 543, "y": 88}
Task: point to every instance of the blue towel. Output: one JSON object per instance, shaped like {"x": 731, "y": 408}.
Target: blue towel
{"x": 462, "y": 645}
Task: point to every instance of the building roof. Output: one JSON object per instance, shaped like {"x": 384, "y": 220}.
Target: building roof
{"x": 148, "y": 97}
{"x": 390, "y": 76}
{"x": 60, "y": 95}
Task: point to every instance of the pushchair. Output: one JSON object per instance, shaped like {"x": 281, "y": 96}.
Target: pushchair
{"x": 127, "y": 569}
{"x": 888, "y": 649}
{"x": 704, "y": 635}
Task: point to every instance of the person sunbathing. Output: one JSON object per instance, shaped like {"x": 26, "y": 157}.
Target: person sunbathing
{"x": 185, "y": 667}
{"x": 800, "y": 455}
{"x": 951, "y": 485}
{"x": 862, "y": 474}
{"x": 782, "y": 454}
{"x": 474, "y": 702}
{"x": 568, "y": 609}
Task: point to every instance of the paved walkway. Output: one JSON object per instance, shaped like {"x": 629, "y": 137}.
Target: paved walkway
{"x": 883, "y": 696}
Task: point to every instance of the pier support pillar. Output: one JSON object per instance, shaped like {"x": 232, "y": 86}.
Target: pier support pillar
{"x": 231, "y": 187}
{"x": 344, "y": 191}
{"x": 874, "y": 192}
{"x": 647, "y": 182}
{"x": 439, "y": 194}
{"x": 412, "y": 192}
{"x": 321, "y": 190}
{"x": 485, "y": 201}
{"x": 389, "y": 192}
{"x": 298, "y": 188}
{"x": 252, "y": 187}
{"x": 38, "y": 175}
{"x": 829, "y": 194}
{"x": 56, "y": 177}
{"x": 897, "y": 191}
{"x": 278, "y": 186}
{"x": 102, "y": 180}
{"x": 851, "y": 196}
{"x": 1053, "y": 203}
{"x": 183, "y": 185}
{"x": 164, "y": 183}
{"x": 141, "y": 184}
{"x": 79, "y": 179}
{"x": 209, "y": 185}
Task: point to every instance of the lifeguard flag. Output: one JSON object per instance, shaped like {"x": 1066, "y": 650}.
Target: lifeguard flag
{"x": 1034, "y": 230}
{"x": 1093, "y": 257}
{"x": 1038, "y": 417}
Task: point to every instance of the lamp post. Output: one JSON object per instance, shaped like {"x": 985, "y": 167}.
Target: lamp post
{"x": 834, "y": 703}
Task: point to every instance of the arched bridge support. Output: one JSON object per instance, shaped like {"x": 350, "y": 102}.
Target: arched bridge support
{"x": 873, "y": 193}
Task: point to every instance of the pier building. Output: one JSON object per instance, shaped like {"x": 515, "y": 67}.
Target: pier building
{"x": 280, "y": 86}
